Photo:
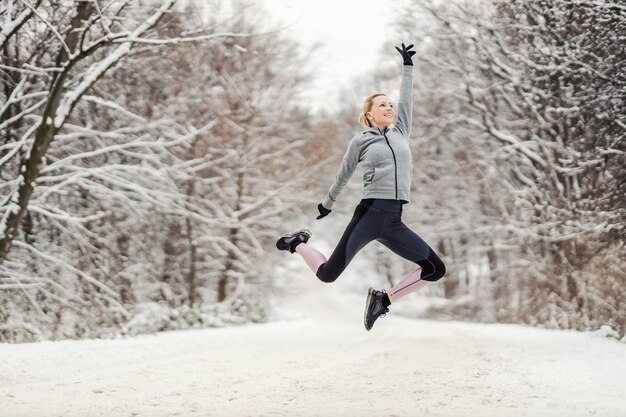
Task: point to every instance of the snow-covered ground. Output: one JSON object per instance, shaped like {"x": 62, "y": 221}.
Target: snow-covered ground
{"x": 317, "y": 360}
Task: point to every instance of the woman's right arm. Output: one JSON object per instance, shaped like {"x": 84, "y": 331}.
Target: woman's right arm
{"x": 348, "y": 165}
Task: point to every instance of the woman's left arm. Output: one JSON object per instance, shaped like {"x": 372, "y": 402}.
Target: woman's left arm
{"x": 405, "y": 108}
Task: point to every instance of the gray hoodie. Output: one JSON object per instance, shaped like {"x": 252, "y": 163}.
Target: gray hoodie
{"x": 385, "y": 155}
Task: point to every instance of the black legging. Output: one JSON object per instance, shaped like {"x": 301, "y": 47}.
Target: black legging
{"x": 380, "y": 220}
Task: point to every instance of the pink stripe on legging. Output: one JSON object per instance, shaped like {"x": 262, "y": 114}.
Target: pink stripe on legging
{"x": 411, "y": 282}
{"x": 311, "y": 256}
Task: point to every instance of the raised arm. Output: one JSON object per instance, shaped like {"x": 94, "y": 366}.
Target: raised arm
{"x": 405, "y": 108}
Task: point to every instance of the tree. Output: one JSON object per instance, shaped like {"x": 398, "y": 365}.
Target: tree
{"x": 527, "y": 98}
{"x": 162, "y": 188}
{"x": 96, "y": 164}
{"x": 87, "y": 32}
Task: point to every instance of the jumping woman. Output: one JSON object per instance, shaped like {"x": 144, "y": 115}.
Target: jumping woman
{"x": 382, "y": 149}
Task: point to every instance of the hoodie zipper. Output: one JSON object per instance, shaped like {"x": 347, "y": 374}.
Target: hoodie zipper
{"x": 395, "y": 163}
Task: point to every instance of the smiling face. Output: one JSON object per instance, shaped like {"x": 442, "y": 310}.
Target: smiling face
{"x": 382, "y": 112}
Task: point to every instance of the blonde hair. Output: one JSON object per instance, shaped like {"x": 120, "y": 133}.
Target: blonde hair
{"x": 367, "y": 106}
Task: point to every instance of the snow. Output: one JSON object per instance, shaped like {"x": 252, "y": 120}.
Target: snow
{"x": 316, "y": 359}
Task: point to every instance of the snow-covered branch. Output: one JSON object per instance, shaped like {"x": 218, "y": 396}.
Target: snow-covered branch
{"x": 12, "y": 25}
{"x": 133, "y": 38}
{"x": 98, "y": 69}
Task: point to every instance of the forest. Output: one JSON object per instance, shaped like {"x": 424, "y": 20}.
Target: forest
{"x": 151, "y": 153}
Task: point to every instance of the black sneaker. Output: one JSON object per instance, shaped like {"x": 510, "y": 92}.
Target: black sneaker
{"x": 289, "y": 241}
{"x": 374, "y": 307}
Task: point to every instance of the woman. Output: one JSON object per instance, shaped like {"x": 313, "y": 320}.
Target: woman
{"x": 383, "y": 151}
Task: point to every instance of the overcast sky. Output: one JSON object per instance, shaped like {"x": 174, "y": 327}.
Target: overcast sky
{"x": 351, "y": 33}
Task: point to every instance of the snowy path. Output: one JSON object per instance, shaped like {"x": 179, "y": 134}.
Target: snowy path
{"x": 321, "y": 368}
{"x": 319, "y": 361}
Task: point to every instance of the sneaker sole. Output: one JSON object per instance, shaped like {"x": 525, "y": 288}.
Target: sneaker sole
{"x": 370, "y": 291}
{"x": 306, "y": 231}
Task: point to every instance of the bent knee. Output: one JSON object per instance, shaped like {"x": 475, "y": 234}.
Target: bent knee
{"x": 439, "y": 270}
{"x": 326, "y": 276}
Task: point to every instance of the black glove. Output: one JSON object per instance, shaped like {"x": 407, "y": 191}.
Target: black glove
{"x": 323, "y": 211}
{"x": 406, "y": 54}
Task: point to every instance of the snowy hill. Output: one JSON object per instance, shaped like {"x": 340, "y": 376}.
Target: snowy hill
{"x": 319, "y": 361}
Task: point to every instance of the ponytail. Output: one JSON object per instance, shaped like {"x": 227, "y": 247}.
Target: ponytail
{"x": 364, "y": 121}
{"x": 367, "y": 106}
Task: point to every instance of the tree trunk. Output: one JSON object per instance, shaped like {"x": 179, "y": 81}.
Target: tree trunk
{"x": 34, "y": 162}
{"x": 192, "y": 282}
{"x": 232, "y": 238}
